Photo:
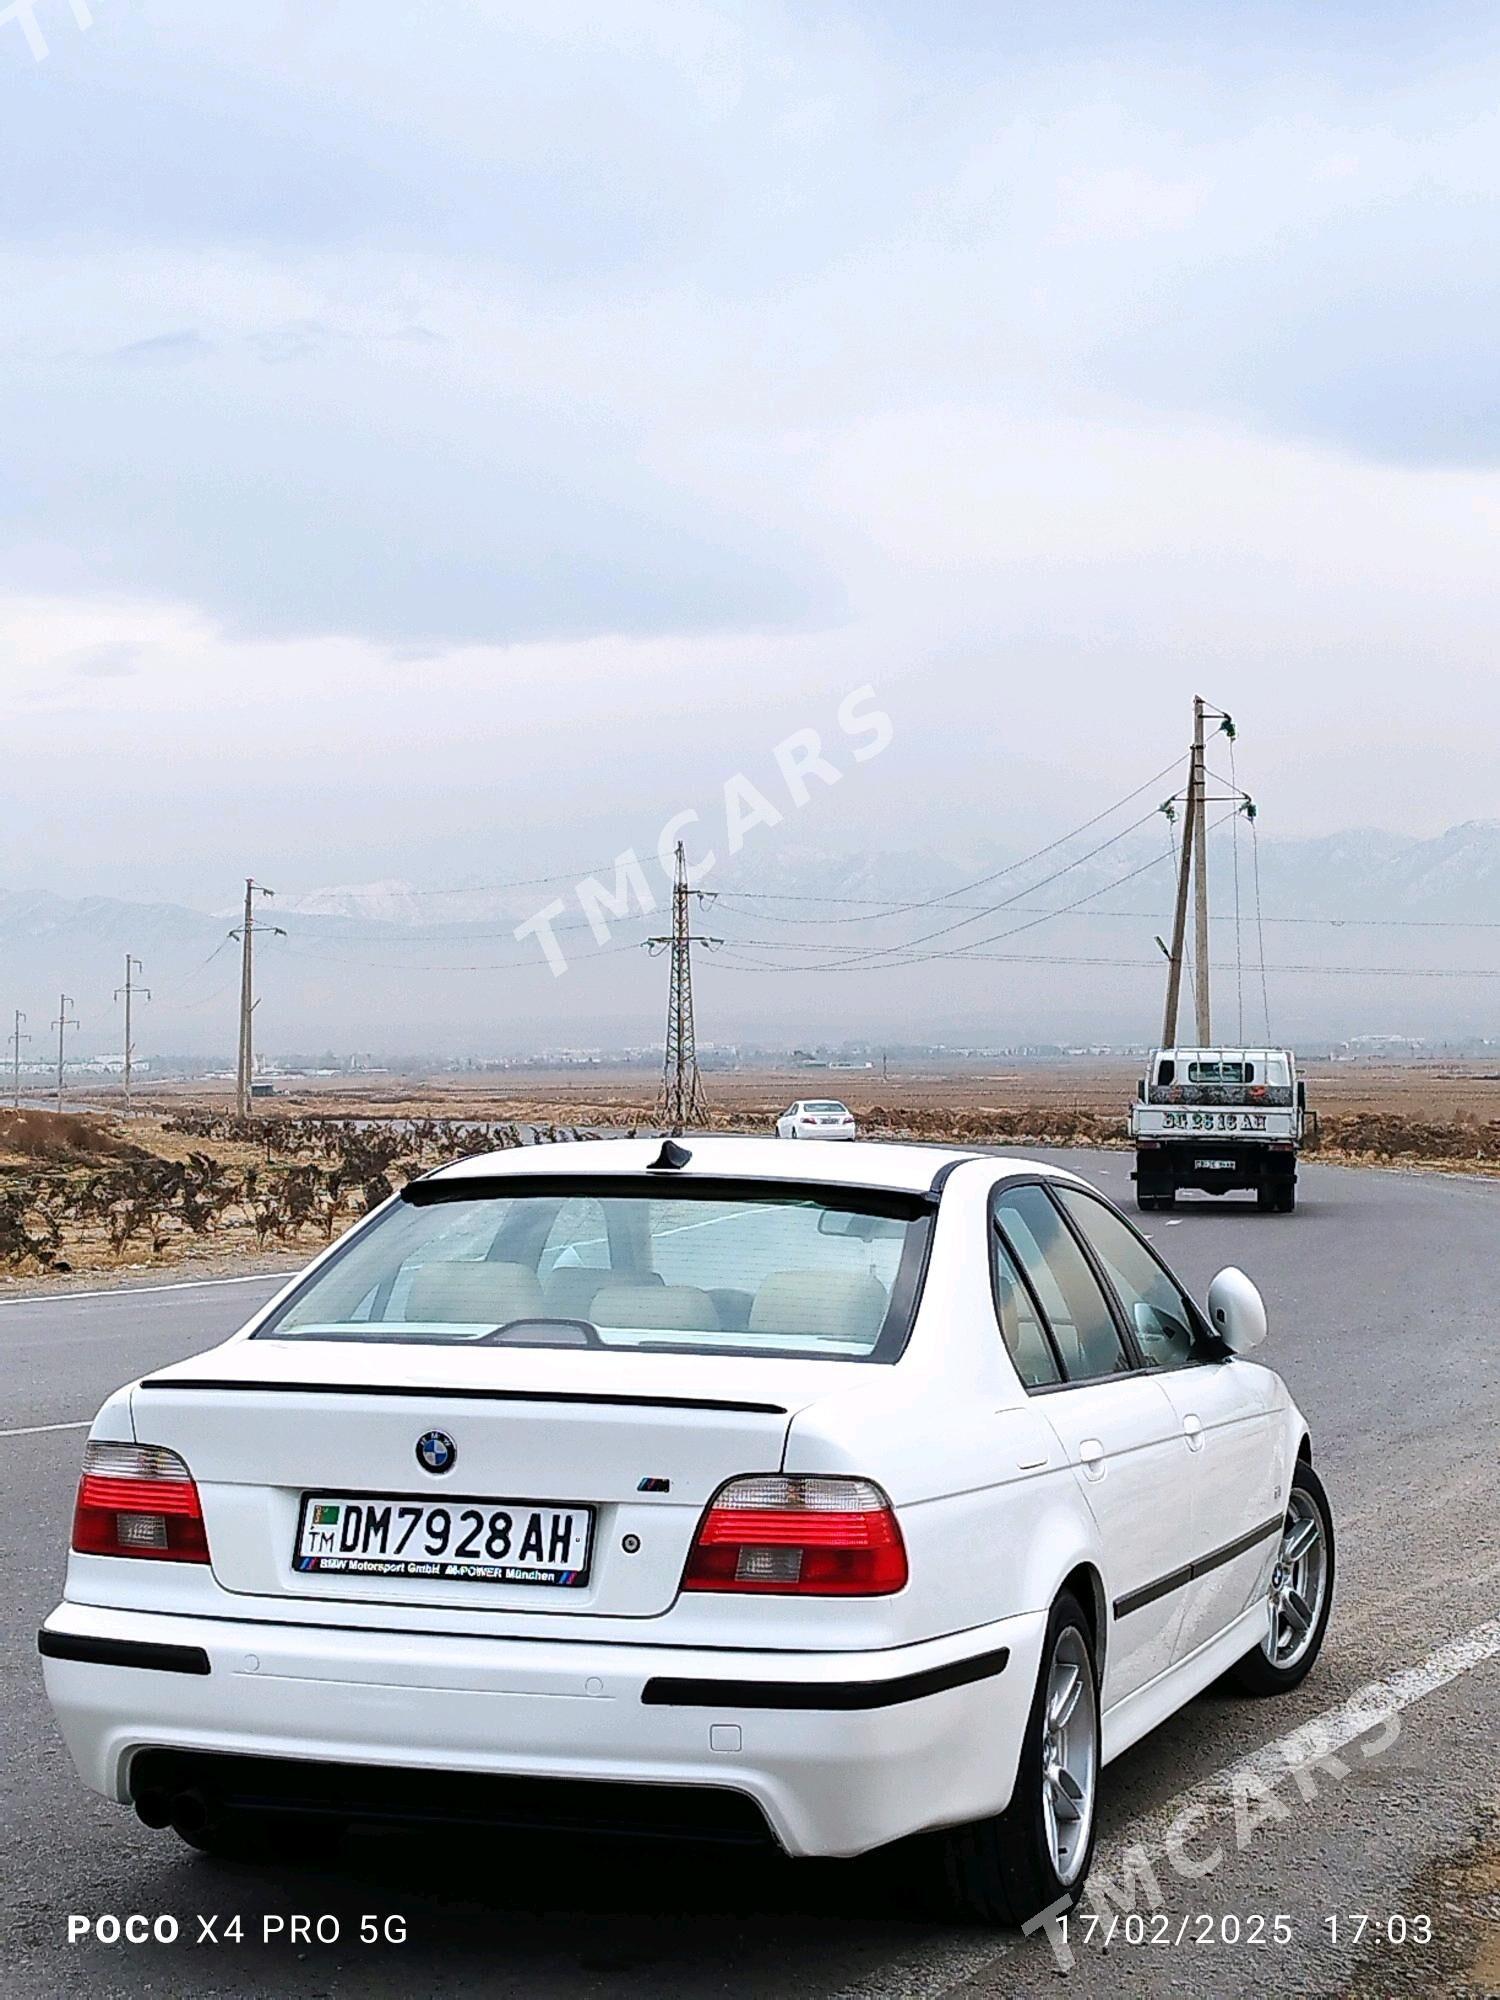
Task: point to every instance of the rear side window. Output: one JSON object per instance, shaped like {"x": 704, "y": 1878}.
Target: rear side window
{"x": 1025, "y": 1336}
{"x": 1082, "y": 1323}
{"x": 1153, "y": 1303}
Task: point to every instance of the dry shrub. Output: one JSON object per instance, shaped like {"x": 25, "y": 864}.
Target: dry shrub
{"x": 1386, "y": 1135}
{"x": 65, "y": 1138}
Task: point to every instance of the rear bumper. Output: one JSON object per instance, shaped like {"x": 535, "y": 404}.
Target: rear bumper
{"x": 1213, "y": 1163}
{"x": 839, "y": 1752}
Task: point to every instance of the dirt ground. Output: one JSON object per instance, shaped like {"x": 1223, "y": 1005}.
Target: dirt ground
{"x": 1443, "y": 1115}
{"x": 1435, "y": 1090}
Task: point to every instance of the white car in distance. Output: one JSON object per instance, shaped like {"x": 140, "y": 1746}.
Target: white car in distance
{"x": 816, "y": 1118}
{"x": 825, "y": 1499}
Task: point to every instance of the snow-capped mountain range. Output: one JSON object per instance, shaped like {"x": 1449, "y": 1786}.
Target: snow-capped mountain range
{"x": 1053, "y": 947}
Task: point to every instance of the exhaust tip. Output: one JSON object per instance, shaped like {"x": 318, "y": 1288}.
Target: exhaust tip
{"x": 189, "y": 1813}
{"x": 153, "y": 1809}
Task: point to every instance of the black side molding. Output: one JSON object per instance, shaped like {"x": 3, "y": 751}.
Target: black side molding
{"x": 666, "y": 1692}
{"x": 1137, "y": 1600}
{"x": 122, "y": 1653}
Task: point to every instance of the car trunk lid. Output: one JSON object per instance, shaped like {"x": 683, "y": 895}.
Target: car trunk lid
{"x": 643, "y": 1440}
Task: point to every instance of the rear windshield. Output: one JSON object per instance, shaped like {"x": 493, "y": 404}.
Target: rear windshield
{"x": 817, "y": 1104}
{"x": 1220, "y": 1072}
{"x": 831, "y": 1273}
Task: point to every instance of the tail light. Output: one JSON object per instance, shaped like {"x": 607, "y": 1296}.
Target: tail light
{"x": 138, "y": 1500}
{"x": 820, "y": 1537}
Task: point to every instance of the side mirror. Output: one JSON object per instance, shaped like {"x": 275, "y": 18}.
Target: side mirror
{"x": 1236, "y": 1311}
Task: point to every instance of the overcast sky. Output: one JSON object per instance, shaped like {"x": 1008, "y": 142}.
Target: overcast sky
{"x": 442, "y": 442}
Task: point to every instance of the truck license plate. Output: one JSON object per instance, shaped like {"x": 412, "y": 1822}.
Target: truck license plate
{"x": 1214, "y": 1166}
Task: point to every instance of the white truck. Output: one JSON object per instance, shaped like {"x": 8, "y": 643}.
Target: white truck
{"x": 1219, "y": 1119}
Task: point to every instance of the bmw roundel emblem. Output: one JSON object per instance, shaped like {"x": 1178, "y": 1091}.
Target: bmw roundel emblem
{"x": 436, "y": 1452}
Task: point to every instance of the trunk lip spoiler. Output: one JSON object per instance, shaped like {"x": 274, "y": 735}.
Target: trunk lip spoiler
{"x": 903, "y": 1204}
{"x": 433, "y": 1392}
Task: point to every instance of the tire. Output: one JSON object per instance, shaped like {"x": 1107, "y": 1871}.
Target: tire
{"x": 1003, "y": 1870}
{"x": 1274, "y": 1667}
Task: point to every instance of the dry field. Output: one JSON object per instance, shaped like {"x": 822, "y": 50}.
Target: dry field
{"x": 1437, "y": 1111}
{"x": 182, "y": 1179}
{"x": 1441, "y": 1111}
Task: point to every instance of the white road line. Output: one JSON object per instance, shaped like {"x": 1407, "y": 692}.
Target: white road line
{"x": 140, "y": 1291}
{"x": 937, "y": 1970}
{"x": 36, "y": 1430}
{"x": 1321, "y": 1735}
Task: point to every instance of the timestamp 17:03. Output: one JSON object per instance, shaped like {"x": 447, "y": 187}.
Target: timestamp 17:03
{"x": 1376, "y": 1927}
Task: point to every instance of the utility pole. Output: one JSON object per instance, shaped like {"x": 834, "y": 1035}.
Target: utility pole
{"x": 129, "y": 990}
{"x": 1179, "y": 921}
{"x": 245, "y": 1066}
{"x": 1192, "y": 871}
{"x": 62, "y": 1025}
{"x": 1200, "y": 876}
{"x": 682, "y": 1100}
{"x": 16, "y": 1040}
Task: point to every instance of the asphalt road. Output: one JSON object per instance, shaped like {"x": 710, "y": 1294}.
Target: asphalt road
{"x": 1382, "y": 1295}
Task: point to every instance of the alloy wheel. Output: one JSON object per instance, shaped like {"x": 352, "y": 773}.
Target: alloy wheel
{"x": 1070, "y": 1754}
{"x": 1298, "y": 1582}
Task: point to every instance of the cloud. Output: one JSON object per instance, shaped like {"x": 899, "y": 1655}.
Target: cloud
{"x": 114, "y": 660}
{"x": 164, "y": 348}
{"x": 642, "y": 351}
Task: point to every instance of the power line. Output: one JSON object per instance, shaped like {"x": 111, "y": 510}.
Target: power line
{"x": 911, "y": 957}
{"x": 902, "y": 953}
{"x": 1148, "y": 964}
{"x": 733, "y": 897}
{"x": 519, "y": 882}
{"x": 528, "y": 964}
{"x": 1265, "y": 999}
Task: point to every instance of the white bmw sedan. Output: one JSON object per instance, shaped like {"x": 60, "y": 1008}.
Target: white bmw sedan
{"x": 817, "y": 1118}
{"x": 824, "y": 1499}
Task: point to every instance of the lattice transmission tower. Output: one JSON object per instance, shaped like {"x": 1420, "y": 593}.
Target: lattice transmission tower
{"x": 682, "y": 1101}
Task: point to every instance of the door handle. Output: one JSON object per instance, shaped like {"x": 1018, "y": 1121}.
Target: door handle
{"x": 1091, "y": 1458}
{"x": 1192, "y": 1430}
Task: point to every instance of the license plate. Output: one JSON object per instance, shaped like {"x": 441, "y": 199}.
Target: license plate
{"x": 1214, "y": 1166}
{"x": 449, "y": 1541}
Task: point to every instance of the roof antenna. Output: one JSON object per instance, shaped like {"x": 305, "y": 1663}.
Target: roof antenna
{"x": 672, "y": 1156}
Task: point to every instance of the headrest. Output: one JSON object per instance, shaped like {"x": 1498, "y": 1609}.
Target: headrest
{"x": 835, "y": 1305}
{"x": 473, "y": 1294}
{"x": 674, "y": 1308}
